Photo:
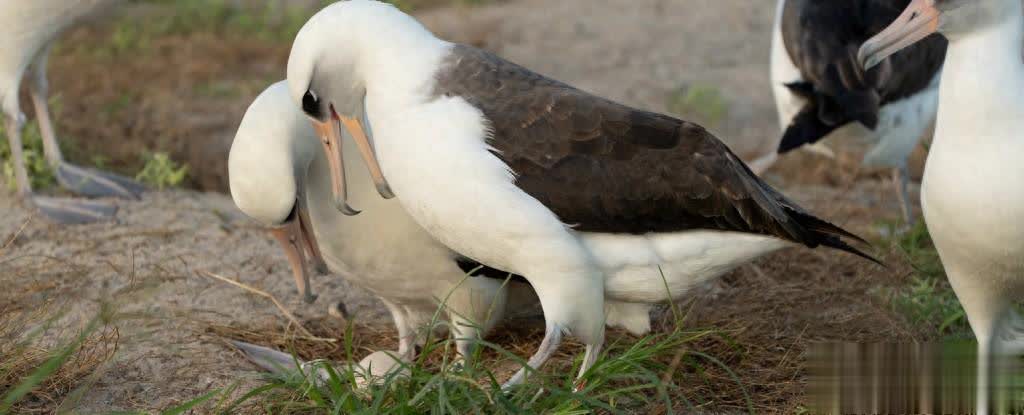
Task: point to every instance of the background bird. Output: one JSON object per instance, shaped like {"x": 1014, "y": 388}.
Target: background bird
{"x": 972, "y": 195}
{"x": 29, "y": 29}
{"x": 819, "y": 86}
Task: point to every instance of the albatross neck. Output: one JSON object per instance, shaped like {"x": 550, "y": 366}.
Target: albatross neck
{"x": 401, "y": 72}
{"x": 983, "y": 76}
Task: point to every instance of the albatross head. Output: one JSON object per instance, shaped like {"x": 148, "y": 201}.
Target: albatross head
{"x": 326, "y": 79}
{"x": 267, "y": 167}
{"x": 951, "y": 18}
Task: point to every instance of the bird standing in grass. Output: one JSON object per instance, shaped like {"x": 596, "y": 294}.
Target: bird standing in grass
{"x": 973, "y": 189}
{"x": 29, "y": 29}
{"x": 279, "y": 177}
{"x": 511, "y": 169}
{"x": 819, "y": 86}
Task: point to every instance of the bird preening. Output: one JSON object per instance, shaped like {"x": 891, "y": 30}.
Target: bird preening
{"x": 585, "y": 198}
{"x": 455, "y": 188}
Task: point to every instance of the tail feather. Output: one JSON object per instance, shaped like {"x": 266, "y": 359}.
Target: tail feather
{"x": 805, "y": 128}
{"x": 830, "y": 235}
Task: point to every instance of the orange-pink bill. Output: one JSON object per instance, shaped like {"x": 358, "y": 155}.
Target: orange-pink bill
{"x": 366, "y": 150}
{"x": 299, "y": 243}
{"x": 918, "y": 20}
{"x": 330, "y": 137}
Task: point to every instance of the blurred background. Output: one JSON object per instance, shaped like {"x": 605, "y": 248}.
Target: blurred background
{"x": 156, "y": 90}
{"x": 166, "y": 82}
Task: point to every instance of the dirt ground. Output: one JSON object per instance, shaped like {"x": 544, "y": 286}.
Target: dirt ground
{"x": 636, "y": 51}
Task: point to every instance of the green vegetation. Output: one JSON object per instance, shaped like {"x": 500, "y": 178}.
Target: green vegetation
{"x": 40, "y": 174}
{"x": 929, "y": 300}
{"x": 632, "y": 375}
{"x": 276, "y": 21}
{"x": 160, "y": 171}
{"x": 704, "y": 103}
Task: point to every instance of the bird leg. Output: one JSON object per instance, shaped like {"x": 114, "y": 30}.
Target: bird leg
{"x": 589, "y": 359}
{"x": 65, "y": 211}
{"x": 15, "y": 125}
{"x": 552, "y": 339}
{"x": 901, "y": 179}
{"x": 79, "y": 180}
{"x": 406, "y": 335}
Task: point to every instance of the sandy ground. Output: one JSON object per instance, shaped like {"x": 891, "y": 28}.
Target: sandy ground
{"x": 634, "y": 51}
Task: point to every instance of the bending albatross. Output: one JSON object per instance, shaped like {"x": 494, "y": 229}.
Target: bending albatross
{"x": 511, "y": 168}
{"x": 29, "y": 29}
{"x": 972, "y": 194}
{"x": 279, "y": 177}
{"x": 819, "y": 87}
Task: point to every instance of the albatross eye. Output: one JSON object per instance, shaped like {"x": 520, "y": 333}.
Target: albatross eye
{"x": 311, "y": 105}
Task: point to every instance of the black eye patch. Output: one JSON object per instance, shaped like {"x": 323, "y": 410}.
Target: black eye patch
{"x": 311, "y": 105}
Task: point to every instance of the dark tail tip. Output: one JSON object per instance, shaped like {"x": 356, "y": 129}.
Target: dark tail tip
{"x": 834, "y": 242}
{"x": 831, "y": 236}
{"x": 805, "y": 128}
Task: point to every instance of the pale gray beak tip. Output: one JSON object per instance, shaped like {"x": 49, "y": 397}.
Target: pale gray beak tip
{"x": 345, "y": 209}
{"x": 385, "y": 191}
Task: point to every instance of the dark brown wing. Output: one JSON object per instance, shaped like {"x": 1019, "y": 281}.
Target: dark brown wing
{"x": 604, "y": 167}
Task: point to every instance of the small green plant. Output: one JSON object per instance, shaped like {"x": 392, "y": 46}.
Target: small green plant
{"x": 928, "y": 299}
{"x": 40, "y": 175}
{"x": 161, "y": 172}
{"x": 698, "y": 100}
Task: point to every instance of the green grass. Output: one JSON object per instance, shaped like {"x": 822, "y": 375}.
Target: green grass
{"x": 40, "y": 175}
{"x": 161, "y": 172}
{"x": 703, "y": 102}
{"x": 928, "y": 300}
{"x": 630, "y": 376}
{"x": 274, "y": 22}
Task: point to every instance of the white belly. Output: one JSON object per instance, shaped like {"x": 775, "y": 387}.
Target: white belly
{"x": 658, "y": 267}
{"x": 973, "y": 202}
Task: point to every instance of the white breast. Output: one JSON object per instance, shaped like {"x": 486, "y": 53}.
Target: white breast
{"x": 438, "y": 164}
{"x": 382, "y": 249}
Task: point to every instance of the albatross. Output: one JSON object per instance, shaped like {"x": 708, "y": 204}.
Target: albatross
{"x": 29, "y": 29}
{"x": 279, "y": 177}
{"x": 819, "y": 87}
{"x": 972, "y": 194}
{"x": 511, "y": 168}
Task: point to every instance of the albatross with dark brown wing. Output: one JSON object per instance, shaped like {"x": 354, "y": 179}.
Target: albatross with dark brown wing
{"x": 605, "y": 167}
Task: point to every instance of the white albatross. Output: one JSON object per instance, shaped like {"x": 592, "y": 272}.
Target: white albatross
{"x": 973, "y": 189}
{"x": 29, "y": 29}
{"x": 279, "y": 177}
{"x": 511, "y": 169}
{"x": 819, "y": 87}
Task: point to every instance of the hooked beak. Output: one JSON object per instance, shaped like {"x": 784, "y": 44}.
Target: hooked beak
{"x": 296, "y": 238}
{"x": 331, "y": 140}
{"x": 330, "y": 136}
{"x": 920, "y": 19}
